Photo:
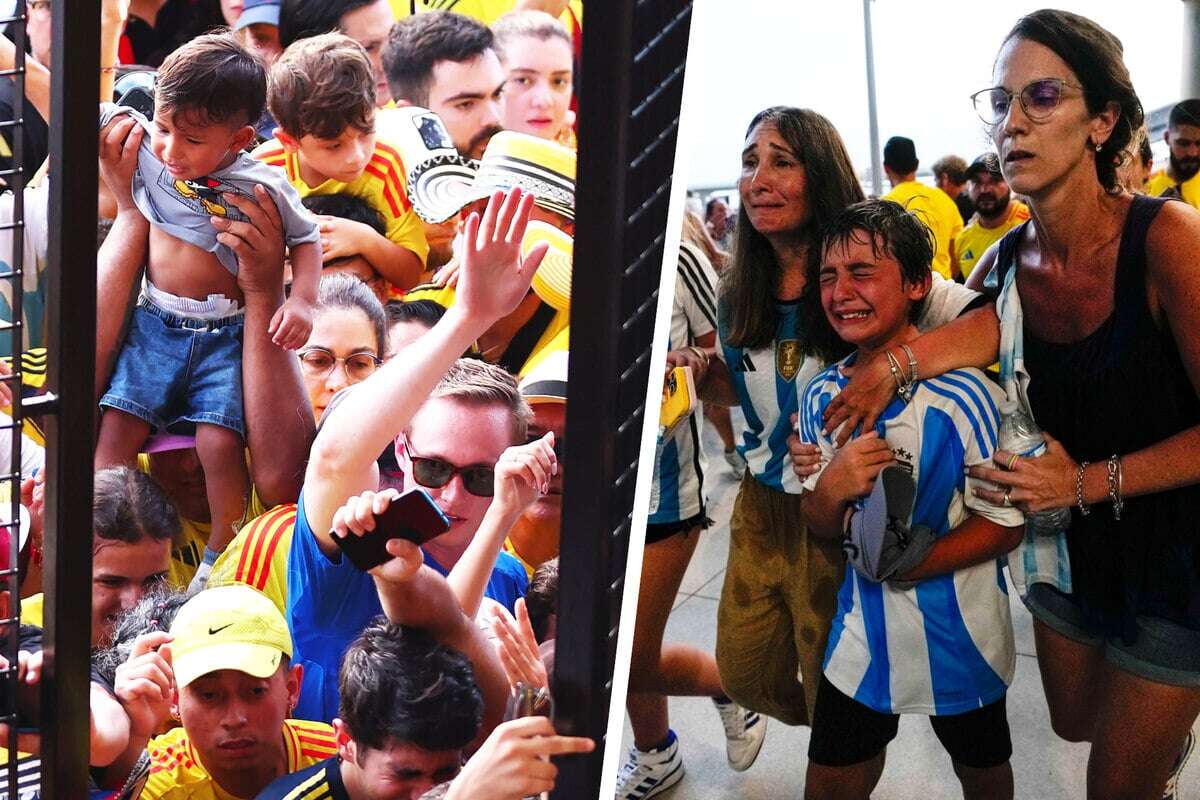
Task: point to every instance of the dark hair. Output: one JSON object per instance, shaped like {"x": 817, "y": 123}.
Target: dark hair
{"x": 128, "y": 506}
{"x": 892, "y": 232}
{"x": 426, "y": 312}
{"x": 416, "y": 43}
{"x": 397, "y": 684}
{"x": 214, "y": 78}
{"x": 321, "y": 85}
{"x": 300, "y": 19}
{"x": 900, "y": 154}
{"x": 1186, "y": 112}
{"x": 346, "y": 206}
{"x": 541, "y": 598}
{"x": 341, "y": 290}
{"x": 1096, "y": 57}
{"x": 1144, "y": 151}
{"x": 712, "y": 201}
{"x": 747, "y": 295}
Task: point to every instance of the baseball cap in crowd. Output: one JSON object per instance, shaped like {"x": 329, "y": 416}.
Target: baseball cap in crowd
{"x": 900, "y": 154}
{"x": 228, "y": 627}
{"x": 163, "y": 442}
{"x": 255, "y": 12}
{"x": 988, "y": 162}
{"x": 439, "y": 190}
{"x": 546, "y": 379}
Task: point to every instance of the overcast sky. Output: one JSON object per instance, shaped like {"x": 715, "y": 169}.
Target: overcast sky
{"x": 930, "y": 56}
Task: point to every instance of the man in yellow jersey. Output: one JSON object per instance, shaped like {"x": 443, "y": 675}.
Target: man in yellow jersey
{"x": 224, "y": 671}
{"x": 996, "y": 212}
{"x": 933, "y": 206}
{"x": 1181, "y": 178}
{"x": 365, "y": 21}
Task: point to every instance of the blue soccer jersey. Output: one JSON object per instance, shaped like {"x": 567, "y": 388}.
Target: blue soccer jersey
{"x": 768, "y": 380}
{"x": 678, "y": 489}
{"x": 945, "y": 646}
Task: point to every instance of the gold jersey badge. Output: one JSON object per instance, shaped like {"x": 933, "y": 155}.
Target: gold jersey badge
{"x": 788, "y": 359}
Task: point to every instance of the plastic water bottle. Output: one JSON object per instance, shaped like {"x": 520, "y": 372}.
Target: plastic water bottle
{"x": 1020, "y": 434}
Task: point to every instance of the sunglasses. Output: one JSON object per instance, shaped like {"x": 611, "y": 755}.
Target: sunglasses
{"x": 560, "y": 444}
{"x": 1038, "y": 100}
{"x": 317, "y": 362}
{"x": 434, "y": 473}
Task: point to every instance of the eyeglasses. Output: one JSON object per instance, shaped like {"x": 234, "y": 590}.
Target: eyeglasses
{"x": 1038, "y": 100}
{"x": 434, "y": 473}
{"x": 317, "y": 362}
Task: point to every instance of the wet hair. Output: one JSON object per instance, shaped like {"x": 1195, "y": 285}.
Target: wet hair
{"x": 214, "y": 79}
{"x": 301, "y": 19}
{"x": 541, "y": 598}
{"x": 1186, "y": 112}
{"x": 340, "y": 290}
{"x": 747, "y": 294}
{"x": 154, "y": 612}
{"x": 424, "y": 312}
{"x": 397, "y": 684}
{"x": 129, "y": 506}
{"x": 892, "y": 232}
{"x": 418, "y": 42}
{"x": 532, "y": 24}
{"x": 1096, "y": 57}
{"x": 477, "y": 383}
{"x": 346, "y": 206}
{"x": 952, "y": 167}
{"x": 320, "y": 86}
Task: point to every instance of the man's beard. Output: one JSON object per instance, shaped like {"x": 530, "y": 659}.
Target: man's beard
{"x": 479, "y": 141}
{"x": 999, "y": 206}
{"x": 1184, "y": 168}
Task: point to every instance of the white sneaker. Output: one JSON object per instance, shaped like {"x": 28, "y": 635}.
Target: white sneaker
{"x": 744, "y": 733}
{"x": 646, "y": 774}
{"x": 736, "y": 462}
{"x": 1171, "y": 790}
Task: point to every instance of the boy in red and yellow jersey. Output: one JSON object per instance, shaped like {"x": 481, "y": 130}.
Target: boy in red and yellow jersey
{"x": 322, "y": 94}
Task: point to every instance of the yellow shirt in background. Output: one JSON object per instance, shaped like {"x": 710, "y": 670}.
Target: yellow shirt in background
{"x": 935, "y": 208}
{"x": 258, "y": 555}
{"x": 177, "y": 774}
{"x": 486, "y": 11}
{"x": 1190, "y": 189}
{"x": 975, "y": 239}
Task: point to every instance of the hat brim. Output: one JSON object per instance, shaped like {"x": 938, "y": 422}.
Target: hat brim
{"x": 444, "y": 185}
{"x": 547, "y": 391}
{"x": 259, "y": 15}
{"x": 552, "y": 281}
{"x": 256, "y": 660}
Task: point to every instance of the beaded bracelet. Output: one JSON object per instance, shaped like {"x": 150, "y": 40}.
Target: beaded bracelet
{"x": 1115, "y": 479}
{"x": 1084, "y": 509}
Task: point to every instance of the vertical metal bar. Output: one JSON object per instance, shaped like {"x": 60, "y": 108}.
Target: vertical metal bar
{"x": 876, "y": 162}
{"x": 71, "y": 305}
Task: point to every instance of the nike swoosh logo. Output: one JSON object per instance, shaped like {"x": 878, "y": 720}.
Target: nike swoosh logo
{"x": 215, "y": 631}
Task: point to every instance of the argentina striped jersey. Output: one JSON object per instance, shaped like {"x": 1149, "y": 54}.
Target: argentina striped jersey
{"x": 945, "y": 646}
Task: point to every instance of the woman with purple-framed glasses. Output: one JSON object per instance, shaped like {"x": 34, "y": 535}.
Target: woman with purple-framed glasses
{"x": 1099, "y": 299}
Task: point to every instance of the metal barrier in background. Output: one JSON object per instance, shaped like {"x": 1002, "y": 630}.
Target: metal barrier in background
{"x": 633, "y": 59}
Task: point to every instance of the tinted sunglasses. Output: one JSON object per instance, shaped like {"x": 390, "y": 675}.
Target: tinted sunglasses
{"x": 434, "y": 473}
{"x": 560, "y": 444}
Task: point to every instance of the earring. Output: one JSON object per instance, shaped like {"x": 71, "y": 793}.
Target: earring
{"x": 1099, "y": 146}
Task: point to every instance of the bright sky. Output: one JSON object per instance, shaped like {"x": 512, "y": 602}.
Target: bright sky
{"x": 930, "y": 56}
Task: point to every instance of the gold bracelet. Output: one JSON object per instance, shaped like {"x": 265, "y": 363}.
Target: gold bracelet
{"x": 1084, "y": 510}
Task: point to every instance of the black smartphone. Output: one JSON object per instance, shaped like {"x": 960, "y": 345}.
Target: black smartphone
{"x": 412, "y": 516}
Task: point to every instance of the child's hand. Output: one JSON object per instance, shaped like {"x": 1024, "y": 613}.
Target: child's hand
{"x": 518, "y": 647}
{"x": 341, "y": 237}
{"x": 447, "y": 275}
{"x": 852, "y": 470}
{"x": 119, "y": 143}
{"x": 291, "y": 324}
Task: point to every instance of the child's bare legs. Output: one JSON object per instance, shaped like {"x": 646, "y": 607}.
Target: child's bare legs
{"x": 121, "y": 438}
{"x": 993, "y": 783}
{"x": 222, "y": 454}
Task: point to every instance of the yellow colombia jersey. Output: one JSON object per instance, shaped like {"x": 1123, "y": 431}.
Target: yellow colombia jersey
{"x": 177, "y": 774}
{"x": 486, "y": 11}
{"x": 975, "y": 239}
{"x": 936, "y": 210}
{"x": 1189, "y": 190}
{"x": 258, "y": 555}
{"x": 383, "y": 186}
{"x": 444, "y": 296}
{"x": 188, "y": 550}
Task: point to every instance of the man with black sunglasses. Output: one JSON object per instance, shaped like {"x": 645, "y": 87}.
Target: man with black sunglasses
{"x": 451, "y": 421}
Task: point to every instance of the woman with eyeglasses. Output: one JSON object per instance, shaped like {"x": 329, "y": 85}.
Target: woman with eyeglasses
{"x": 348, "y": 339}
{"x": 1100, "y": 304}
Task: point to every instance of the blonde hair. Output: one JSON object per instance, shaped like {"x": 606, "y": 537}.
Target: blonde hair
{"x": 696, "y": 234}
{"x": 474, "y": 382}
{"x": 534, "y": 24}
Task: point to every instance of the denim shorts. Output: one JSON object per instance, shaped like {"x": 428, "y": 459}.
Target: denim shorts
{"x": 175, "y": 369}
{"x": 1164, "y": 652}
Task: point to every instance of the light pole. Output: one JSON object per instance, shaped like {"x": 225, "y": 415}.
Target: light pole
{"x": 876, "y": 165}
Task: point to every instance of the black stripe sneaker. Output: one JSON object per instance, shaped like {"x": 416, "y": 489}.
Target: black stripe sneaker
{"x": 744, "y": 733}
{"x": 647, "y": 773}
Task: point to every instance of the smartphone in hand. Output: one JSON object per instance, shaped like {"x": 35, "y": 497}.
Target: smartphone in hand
{"x": 412, "y": 516}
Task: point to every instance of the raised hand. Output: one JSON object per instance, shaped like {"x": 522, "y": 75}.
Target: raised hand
{"x": 518, "y": 647}
{"x": 514, "y": 761}
{"x": 357, "y": 518}
{"x": 145, "y": 682}
{"x": 494, "y": 278}
{"x": 523, "y": 472}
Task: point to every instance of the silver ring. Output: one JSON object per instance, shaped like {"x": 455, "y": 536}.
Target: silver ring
{"x": 1007, "y": 499}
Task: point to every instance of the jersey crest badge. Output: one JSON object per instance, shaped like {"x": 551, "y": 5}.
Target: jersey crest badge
{"x": 788, "y": 359}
